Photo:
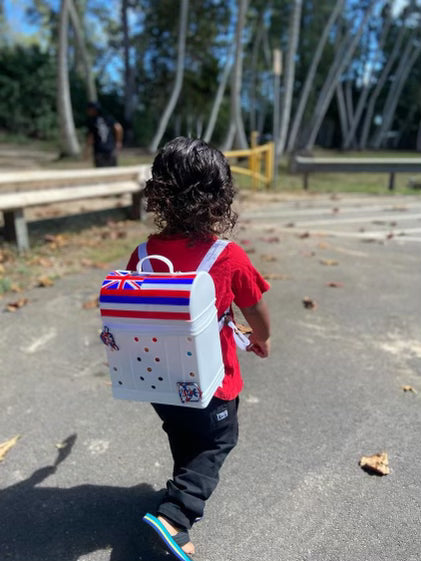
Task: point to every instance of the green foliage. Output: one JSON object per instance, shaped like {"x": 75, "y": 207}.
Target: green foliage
{"x": 27, "y": 91}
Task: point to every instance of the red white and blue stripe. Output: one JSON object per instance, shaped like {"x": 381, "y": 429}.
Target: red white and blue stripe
{"x": 129, "y": 295}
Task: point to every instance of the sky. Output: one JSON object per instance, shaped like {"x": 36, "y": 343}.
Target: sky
{"x": 15, "y": 14}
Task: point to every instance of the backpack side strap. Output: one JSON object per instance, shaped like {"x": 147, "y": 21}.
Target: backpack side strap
{"x": 142, "y": 252}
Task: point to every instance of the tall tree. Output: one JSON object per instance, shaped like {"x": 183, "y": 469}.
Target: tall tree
{"x": 69, "y": 144}
{"x": 81, "y": 43}
{"x": 293, "y": 36}
{"x": 407, "y": 61}
{"x": 350, "y": 136}
{"x": 308, "y": 84}
{"x": 219, "y": 95}
{"x": 129, "y": 74}
{"x": 184, "y": 6}
{"x": 342, "y": 58}
{"x": 236, "y": 133}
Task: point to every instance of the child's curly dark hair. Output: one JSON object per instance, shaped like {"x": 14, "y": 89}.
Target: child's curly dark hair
{"x": 191, "y": 190}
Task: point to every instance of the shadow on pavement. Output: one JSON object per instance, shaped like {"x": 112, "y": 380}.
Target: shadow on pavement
{"x": 54, "y": 524}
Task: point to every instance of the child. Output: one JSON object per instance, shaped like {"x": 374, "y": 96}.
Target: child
{"x": 190, "y": 195}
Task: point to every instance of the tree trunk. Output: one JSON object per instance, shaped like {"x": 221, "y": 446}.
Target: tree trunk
{"x": 405, "y": 125}
{"x": 199, "y": 126}
{"x": 81, "y": 43}
{"x": 340, "y": 63}
{"x": 69, "y": 145}
{"x": 219, "y": 96}
{"x": 253, "y": 69}
{"x": 406, "y": 63}
{"x": 129, "y": 82}
{"x": 343, "y": 117}
{"x": 308, "y": 84}
{"x": 184, "y": 6}
{"x": 350, "y": 138}
{"x": 379, "y": 86}
{"x": 236, "y": 131}
{"x": 349, "y": 104}
{"x": 418, "y": 143}
{"x": 293, "y": 36}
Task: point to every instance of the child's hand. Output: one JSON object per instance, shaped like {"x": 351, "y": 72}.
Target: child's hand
{"x": 260, "y": 348}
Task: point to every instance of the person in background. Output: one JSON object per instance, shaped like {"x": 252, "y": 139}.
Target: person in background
{"x": 105, "y": 136}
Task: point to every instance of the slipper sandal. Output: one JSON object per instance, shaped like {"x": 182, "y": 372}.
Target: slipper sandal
{"x": 172, "y": 543}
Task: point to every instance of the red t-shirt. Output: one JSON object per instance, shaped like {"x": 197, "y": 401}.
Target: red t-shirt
{"x": 235, "y": 279}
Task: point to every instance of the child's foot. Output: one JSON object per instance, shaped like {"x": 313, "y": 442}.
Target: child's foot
{"x": 188, "y": 547}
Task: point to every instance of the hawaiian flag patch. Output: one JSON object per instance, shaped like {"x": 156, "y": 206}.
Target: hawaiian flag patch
{"x": 131, "y": 295}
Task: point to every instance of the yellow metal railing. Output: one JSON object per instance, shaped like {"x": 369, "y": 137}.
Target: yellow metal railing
{"x": 258, "y": 157}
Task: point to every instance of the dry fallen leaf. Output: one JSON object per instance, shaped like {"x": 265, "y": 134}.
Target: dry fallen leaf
{"x": 409, "y": 389}
{"x": 14, "y": 287}
{"x": 42, "y": 261}
{"x": 2, "y": 269}
{"x": 377, "y": 463}
{"x": 335, "y": 210}
{"x": 322, "y": 245}
{"x": 335, "y": 284}
{"x": 6, "y": 446}
{"x": 90, "y": 304}
{"x": 13, "y": 306}
{"x": 268, "y": 258}
{"x": 45, "y": 281}
{"x": 55, "y": 241}
{"x": 304, "y": 235}
{"x": 246, "y": 329}
{"x": 329, "y": 262}
{"x": 390, "y": 235}
{"x": 271, "y": 239}
{"x": 309, "y": 304}
{"x": 275, "y": 276}
{"x": 290, "y": 225}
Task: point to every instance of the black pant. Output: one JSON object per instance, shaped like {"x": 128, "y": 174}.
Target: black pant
{"x": 105, "y": 159}
{"x": 200, "y": 440}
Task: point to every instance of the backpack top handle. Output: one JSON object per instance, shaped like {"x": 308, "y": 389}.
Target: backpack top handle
{"x": 160, "y": 258}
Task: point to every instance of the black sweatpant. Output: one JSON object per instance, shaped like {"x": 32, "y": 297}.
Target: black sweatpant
{"x": 200, "y": 440}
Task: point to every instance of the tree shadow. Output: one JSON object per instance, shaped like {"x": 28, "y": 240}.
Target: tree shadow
{"x": 58, "y": 524}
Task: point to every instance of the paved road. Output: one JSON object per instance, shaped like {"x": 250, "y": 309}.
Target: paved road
{"x": 357, "y": 217}
{"x": 292, "y": 489}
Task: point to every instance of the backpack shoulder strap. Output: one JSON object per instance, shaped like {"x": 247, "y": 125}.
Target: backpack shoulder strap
{"x": 142, "y": 252}
{"x": 212, "y": 255}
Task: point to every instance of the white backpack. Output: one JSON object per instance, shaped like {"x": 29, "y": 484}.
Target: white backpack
{"x": 161, "y": 332}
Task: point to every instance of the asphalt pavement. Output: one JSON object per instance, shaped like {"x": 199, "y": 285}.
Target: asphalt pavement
{"x": 87, "y": 467}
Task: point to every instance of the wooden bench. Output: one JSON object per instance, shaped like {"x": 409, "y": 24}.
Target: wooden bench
{"x": 20, "y": 190}
{"x": 307, "y": 165}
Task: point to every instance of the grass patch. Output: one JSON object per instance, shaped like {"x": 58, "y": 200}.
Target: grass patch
{"x": 370, "y": 183}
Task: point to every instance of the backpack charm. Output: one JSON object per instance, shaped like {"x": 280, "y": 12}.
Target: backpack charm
{"x": 108, "y": 339}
